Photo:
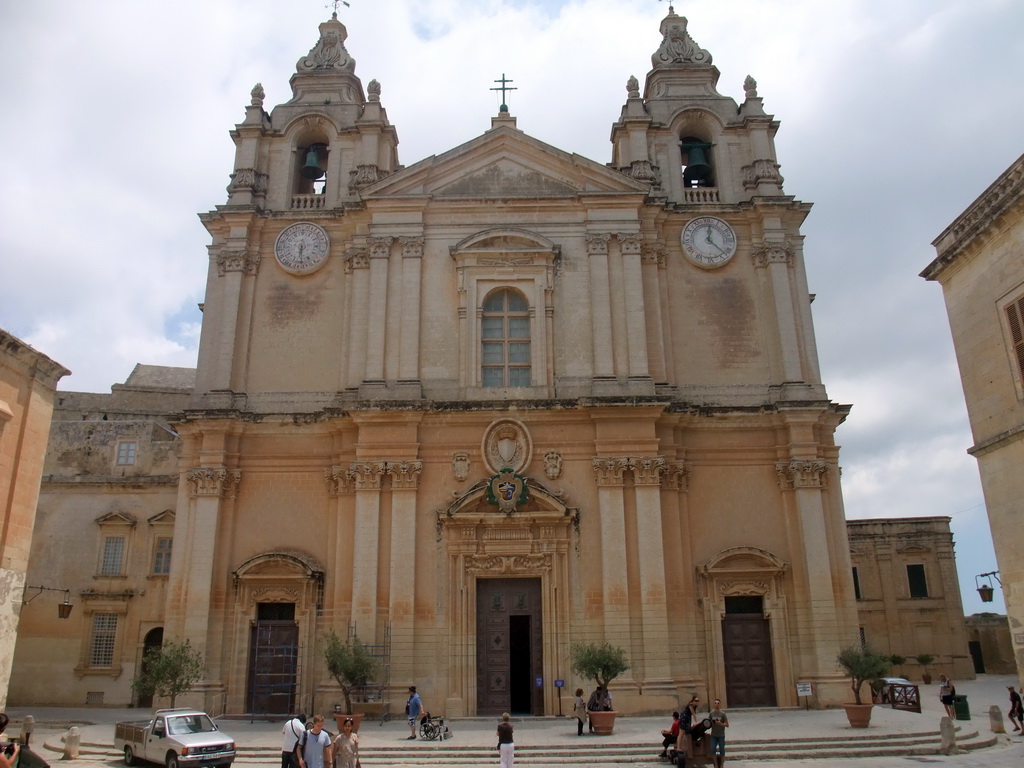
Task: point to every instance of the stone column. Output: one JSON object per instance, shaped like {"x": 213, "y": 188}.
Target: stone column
{"x": 409, "y": 342}
{"x": 778, "y": 258}
{"x": 650, "y": 541}
{"x": 376, "y": 337}
{"x": 340, "y": 547}
{"x": 600, "y": 306}
{"x": 232, "y": 265}
{"x": 358, "y": 320}
{"x": 653, "y": 259}
{"x": 633, "y": 288}
{"x": 402, "y": 608}
{"x": 614, "y": 583}
{"x": 366, "y": 532}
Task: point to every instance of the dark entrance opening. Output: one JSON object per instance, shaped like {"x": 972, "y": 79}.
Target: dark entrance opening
{"x": 273, "y": 659}
{"x": 747, "y": 646}
{"x": 154, "y": 639}
{"x": 974, "y": 647}
{"x": 508, "y": 646}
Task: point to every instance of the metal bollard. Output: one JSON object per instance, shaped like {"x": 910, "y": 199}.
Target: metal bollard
{"x": 27, "y": 725}
{"x": 995, "y": 718}
{"x": 72, "y": 742}
{"x": 948, "y": 733}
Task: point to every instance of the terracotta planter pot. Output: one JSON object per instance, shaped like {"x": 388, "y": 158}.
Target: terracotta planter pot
{"x": 603, "y": 722}
{"x": 339, "y": 718}
{"x": 859, "y": 715}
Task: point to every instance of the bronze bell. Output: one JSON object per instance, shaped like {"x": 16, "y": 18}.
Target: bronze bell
{"x": 311, "y": 168}
{"x": 698, "y": 169}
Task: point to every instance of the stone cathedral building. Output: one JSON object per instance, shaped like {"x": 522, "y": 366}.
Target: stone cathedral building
{"x": 481, "y": 407}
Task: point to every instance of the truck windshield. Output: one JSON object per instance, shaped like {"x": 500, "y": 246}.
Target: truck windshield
{"x": 189, "y": 724}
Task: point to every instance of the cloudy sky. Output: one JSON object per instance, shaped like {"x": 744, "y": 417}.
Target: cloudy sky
{"x": 895, "y": 117}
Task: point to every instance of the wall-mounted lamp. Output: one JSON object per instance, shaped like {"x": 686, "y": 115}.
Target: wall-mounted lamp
{"x": 63, "y": 609}
{"x": 986, "y": 590}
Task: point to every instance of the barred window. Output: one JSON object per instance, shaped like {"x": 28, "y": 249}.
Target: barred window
{"x": 126, "y": 453}
{"x": 505, "y": 336}
{"x": 1015, "y": 320}
{"x": 101, "y": 648}
{"x": 162, "y": 556}
{"x": 113, "y": 556}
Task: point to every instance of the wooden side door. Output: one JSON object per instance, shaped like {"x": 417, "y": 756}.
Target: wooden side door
{"x": 273, "y": 667}
{"x": 749, "y": 668}
{"x": 508, "y": 641}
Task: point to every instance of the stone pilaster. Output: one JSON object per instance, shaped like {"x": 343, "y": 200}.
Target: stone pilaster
{"x": 615, "y": 587}
{"x": 601, "y": 306}
{"x": 402, "y": 604}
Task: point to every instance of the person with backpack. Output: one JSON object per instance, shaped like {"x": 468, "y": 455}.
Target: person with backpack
{"x": 946, "y": 693}
{"x": 291, "y": 732}
{"x": 315, "y": 746}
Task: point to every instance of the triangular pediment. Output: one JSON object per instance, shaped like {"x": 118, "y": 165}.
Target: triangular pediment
{"x": 504, "y": 163}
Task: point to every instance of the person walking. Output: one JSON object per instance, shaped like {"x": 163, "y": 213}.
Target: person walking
{"x": 506, "y": 746}
{"x": 579, "y": 708}
{"x": 316, "y": 746}
{"x": 346, "y": 746}
{"x": 291, "y": 732}
{"x": 1016, "y": 713}
{"x": 413, "y": 708}
{"x": 719, "y": 722}
{"x": 946, "y": 693}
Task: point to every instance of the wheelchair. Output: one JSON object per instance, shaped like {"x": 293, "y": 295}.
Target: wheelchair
{"x": 433, "y": 728}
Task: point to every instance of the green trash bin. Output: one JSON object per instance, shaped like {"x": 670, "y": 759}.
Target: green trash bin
{"x": 960, "y": 708}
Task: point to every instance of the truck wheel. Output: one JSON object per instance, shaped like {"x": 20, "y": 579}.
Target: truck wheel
{"x": 172, "y": 760}
{"x": 129, "y": 755}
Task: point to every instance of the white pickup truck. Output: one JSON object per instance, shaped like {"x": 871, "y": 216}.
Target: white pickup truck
{"x": 177, "y": 738}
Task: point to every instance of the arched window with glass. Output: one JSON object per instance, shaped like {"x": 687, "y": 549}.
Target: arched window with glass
{"x": 505, "y": 339}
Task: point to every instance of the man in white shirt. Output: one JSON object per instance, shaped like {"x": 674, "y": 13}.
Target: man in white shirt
{"x": 291, "y": 731}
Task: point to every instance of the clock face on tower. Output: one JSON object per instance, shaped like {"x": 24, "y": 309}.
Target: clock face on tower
{"x": 302, "y": 248}
{"x": 708, "y": 242}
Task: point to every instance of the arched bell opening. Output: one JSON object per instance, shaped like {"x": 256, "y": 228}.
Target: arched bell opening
{"x": 697, "y": 164}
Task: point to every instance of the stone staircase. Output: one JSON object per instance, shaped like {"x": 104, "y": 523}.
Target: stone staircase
{"x": 609, "y": 752}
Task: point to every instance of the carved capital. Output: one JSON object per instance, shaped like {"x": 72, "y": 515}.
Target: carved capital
{"x": 773, "y": 253}
{"x": 647, "y": 469}
{"x": 760, "y": 171}
{"x": 364, "y": 176}
{"x": 643, "y": 170}
{"x": 653, "y": 253}
{"x": 237, "y": 260}
{"x": 404, "y": 474}
{"x": 630, "y": 242}
{"x": 249, "y": 179}
{"x": 380, "y": 247}
{"x": 337, "y": 478}
{"x": 367, "y": 474}
{"x": 802, "y": 473}
{"x": 597, "y": 244}
{"x": 356, "y": 258}
{"x": 609, "y": 471}
{"x": 676, "y": 475}
{"x": 412, "y": 247}
{"x": 212, "y": 481}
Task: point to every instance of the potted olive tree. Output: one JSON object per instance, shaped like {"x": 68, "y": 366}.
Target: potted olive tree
{"x": 352, "y": 666}
{"x": 602, "y": 664}
{"x": 860, "y": 664}
{"x": 924, "y": 659}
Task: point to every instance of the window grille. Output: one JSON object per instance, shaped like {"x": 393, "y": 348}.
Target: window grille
{"x": 113, "y": 556}
{"x": 101, "y": 649}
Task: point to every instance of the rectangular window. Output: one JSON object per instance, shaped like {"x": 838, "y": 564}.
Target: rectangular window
{"x": 101, "y": 647}
{"x": 162, "y": 556}
{"x": 126, "y": 453}
{"x": 863, "y": 638}
{"x": 113, "y": 556}
{"x": 856, "y": 583}
{"x": 917, "y": 581}
{"x": 1015, "y": 321}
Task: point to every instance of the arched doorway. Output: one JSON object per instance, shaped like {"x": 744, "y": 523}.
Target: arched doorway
{"x": 153, "y": 639}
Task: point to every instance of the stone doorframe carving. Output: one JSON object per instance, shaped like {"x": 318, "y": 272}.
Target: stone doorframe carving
{"x": 272, "y": 577}
{"x": 479, "y": 542}
{"x": 746, "y": 571}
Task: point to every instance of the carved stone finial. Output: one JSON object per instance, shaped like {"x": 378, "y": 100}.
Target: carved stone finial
{"x": 633, "y": 87}
{"x": 750, "y": 87}
{"x": 258, "y": 94}
{"x": 329, "y": 52}
{"x": 373, "y": 90}
{"x": 677, "y": 47}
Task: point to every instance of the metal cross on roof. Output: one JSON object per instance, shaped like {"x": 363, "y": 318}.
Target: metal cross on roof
{"x": 504, "y": 87}
{"x": 334, "y": 4}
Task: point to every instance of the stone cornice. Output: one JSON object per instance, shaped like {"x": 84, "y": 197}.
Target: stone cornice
{"x": 32, "y": 362}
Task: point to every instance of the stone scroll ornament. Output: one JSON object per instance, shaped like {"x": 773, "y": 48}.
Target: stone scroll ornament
{"x": 677, "y": 47}
{"x": 329, "y": 53}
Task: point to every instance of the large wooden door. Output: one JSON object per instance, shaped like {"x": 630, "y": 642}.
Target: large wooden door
{"x": 273, "y": 661}
{"x": 747, "y": 644}
{"x": 508, "y": 642}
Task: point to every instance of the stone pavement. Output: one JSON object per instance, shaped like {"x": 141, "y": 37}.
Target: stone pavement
{"x": 747, "y": 726}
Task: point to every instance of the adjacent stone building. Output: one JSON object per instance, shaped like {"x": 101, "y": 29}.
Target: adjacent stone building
{"x": 475, "y": 410}
{"x": 28, "y": 380}
{"x": 980, "y": 265}
{"x": 908, "y": 593}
